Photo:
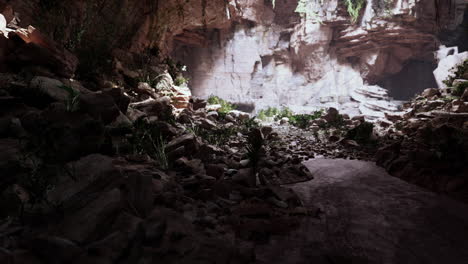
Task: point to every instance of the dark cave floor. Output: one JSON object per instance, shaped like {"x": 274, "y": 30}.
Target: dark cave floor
{"x": 368, "y": 216}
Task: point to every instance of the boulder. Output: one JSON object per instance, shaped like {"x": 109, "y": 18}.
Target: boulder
{"x": 139, "y": 193}
{"x": 284, "y": 120}
{"x": 198, "y": 104}
{"x": 86, "y": 179}
{"x": 215, "y": 170}
{"x": 135, "y": 114}
{"x": 430, "y": 92}
{"x": 100, "y": 106}
{"x": 52, "y": 88}
{"x": 92, "y": 221}
{"x": 160, "y": 107}
{"x": 168, "y": 230}
{"x": 120, "y": 98}
{"x": 193, "y": 166}
{"x": 246, "y": 177}
{"x": 167, "y": 130}
{"x": 332, "y": 115}
{"x": 181, "y": 97}
{"x": 207, "y": 124}
{"x": 213, "y": 115}
{"x": 188, "y": 141}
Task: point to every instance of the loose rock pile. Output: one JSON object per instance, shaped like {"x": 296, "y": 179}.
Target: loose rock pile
{"x": 134, "y": 174}
{"x": 429, "y": 144}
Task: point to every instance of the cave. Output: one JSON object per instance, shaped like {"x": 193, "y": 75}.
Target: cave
{"x": 414, "y": 78}
{"x": 233, "y": 131}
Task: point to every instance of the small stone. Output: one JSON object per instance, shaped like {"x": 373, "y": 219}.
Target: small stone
{"x": 430, "y": 92}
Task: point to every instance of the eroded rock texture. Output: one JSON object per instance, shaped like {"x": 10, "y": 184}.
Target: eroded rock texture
{"x": 251, "y": 51}
{"x": 275, "y": 57}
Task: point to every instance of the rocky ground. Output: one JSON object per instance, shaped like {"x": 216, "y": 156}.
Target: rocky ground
{"x": 126, "y": 167}
{"x": 428, "y": 144}
{"x": 97, "y": 172}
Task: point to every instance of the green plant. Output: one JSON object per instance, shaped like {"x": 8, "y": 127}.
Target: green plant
{"x": 255, "y": 142}
{"x": 261, "y": 115}
{"x": 250, "y": 123}
{"x": 269, "y": 112}
{"x": 306, "y": 9}
{"x": 218, "y": 136}
{"x": 354, "y": 8}
{"x": 285, "y": 112}
{"x": 460, "y": 88}
{"x": 303, "y": 120}
{"x": 225, "y": 105}
{"x": 181, "y": 80}
{"x": 72, "y": 102}
{"x": 459, "y": 71}
{"x": 148, "y": 139}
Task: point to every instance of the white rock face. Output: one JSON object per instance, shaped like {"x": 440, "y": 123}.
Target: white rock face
{"x": 446, "y": 66}
{"x": 3, "y": 23}
{"x": 306, "y": 65}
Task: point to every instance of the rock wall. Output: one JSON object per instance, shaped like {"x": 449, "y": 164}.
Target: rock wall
{"x": 273, "y": 57}
{"x": 251, "y": 52}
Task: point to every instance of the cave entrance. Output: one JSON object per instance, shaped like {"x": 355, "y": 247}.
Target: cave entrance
{"x": 411, "y": 80}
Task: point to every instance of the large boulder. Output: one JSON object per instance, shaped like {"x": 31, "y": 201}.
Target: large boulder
{"x": 120, "y": 98}
{"x": 184, "y": 145}
{"x": 100, "y": 106}
{"x": 92, "y": 221}
{"x": 86, "y": 179}
{"x": 160, "y": 108}
{"x": 52, "y": 88}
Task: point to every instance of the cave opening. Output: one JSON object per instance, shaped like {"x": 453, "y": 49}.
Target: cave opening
{"x": 415, "y": 76}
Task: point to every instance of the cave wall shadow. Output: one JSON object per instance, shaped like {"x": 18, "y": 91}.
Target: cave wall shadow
{"x": 411, "y": 80}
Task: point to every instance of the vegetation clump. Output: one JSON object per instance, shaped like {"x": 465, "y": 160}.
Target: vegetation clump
{"x": 298, "y": 120}
{"x": 148, "y": 139}
{"x": 459, "y": 72}
{"x": 219, "y": 136}
{"x": 226, "y": 106}
{"x": 264, "y": 114}
{"x": 354, "y": 8}
{"x": 306, "y": 8}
